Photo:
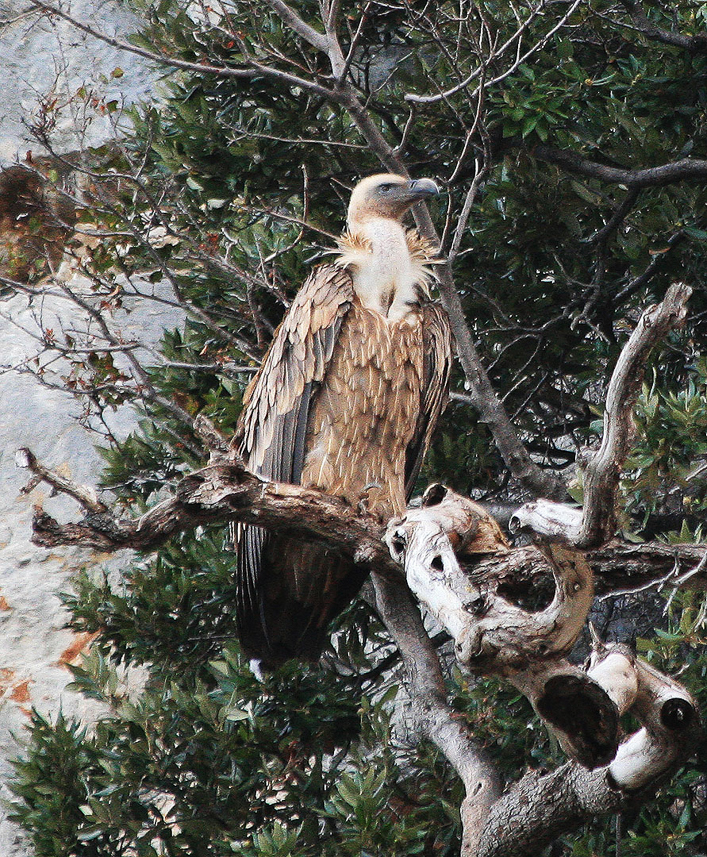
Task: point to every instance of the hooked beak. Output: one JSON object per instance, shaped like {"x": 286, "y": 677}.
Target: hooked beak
{"x": 422, "y": 188}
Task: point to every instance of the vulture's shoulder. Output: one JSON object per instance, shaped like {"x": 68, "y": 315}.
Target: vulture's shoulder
{"x": 270, "y": 433}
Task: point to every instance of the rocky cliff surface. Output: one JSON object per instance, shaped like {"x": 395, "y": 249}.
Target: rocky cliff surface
{"x": 52, "y": 73}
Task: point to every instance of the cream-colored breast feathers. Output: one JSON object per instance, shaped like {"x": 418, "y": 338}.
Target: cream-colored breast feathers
{"x": 389, "y": 266}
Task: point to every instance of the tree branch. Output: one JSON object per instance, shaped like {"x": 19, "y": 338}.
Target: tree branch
{"x": 686, "y": 169}
{"x": 603, "y": 469}
{"x": 434, "y": 717}
{"x": 294, "y": 22}
{"x": 218, "y": 493}
{"x": 239, "y": 495}
{"x": 693, "y": 44}
{"x": 493, "y": 635}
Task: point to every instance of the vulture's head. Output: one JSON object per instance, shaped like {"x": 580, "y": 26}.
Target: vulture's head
{"x": 386, "y": 195}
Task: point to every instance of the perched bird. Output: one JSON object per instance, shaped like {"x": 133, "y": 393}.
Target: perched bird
{"x": 345, "y": 400}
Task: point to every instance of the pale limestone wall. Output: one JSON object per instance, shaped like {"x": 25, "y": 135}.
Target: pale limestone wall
{"x": 40, "y": 59}
{"x": 34, "y": 644}
{"x": 43, "y": 58}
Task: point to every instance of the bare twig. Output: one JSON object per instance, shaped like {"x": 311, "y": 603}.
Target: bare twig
{"x": 85, "y": 495}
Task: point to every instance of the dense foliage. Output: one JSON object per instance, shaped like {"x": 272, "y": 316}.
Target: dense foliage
{"x": 226, "y": 190}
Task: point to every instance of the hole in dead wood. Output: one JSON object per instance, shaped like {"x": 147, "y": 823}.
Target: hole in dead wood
{"x": 437, "y": 563}
{"x": 434, "y": 495}
{"x": 531, "y": 595}
{"x": 398, "y": 543}
{"x": 583, "y": 711}
{"x": 676, "y": 714}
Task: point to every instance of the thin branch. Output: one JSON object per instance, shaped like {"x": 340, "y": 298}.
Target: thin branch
{"x": 85, "y": 495}
{"x": 617, "y": 218}
{"x": 637, "y": 283}
{"x": 254, "y": 68}
{"x": 201, "y": 68}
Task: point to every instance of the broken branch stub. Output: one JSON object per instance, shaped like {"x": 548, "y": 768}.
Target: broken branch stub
{"x": 668, "y": 714}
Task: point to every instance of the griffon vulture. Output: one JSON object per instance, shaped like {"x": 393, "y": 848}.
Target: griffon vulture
{"x": 345, "y": 401}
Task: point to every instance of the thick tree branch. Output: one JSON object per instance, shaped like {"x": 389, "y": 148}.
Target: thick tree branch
{"x": 218, "y": 493}
{"x": 603, "y": 469}
{"x": 686, "y": 169}
{"x": 550, "y": 804}
{"x": 619, "y": 568}
{"x": 495, "y": 635}
{"x": 239, "y": 495}
{"x": 693, "y": 44}
{"x": 434, "y": 717}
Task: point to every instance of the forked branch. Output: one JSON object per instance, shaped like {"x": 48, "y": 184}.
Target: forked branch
{"x": 602, "y": 469}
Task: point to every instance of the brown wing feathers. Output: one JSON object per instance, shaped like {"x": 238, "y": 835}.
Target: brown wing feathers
{"x": 437, "y": 345}
{"x": 272, "y": 433}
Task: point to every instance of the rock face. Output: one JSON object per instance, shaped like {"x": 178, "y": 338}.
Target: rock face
{"x": 54, "y": 74}
{"x": 61, "y": 79}
{"x": 35, "y": 647}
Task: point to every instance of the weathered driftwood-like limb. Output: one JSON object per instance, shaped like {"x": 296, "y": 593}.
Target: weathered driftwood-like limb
{"x": 555, "y": 522}
{"x": 427, "y": 541}
{"x": 667, "y": 712}
{"x": 575, "y": 707}
{"x": 494, "y": 635}
{"x": 603, "y": 468}
{"x": 561, "y": 801}
{"x": 490, "y": 632}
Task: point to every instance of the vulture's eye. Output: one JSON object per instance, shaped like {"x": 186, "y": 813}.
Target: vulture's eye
{"x": 385, "y": 188}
